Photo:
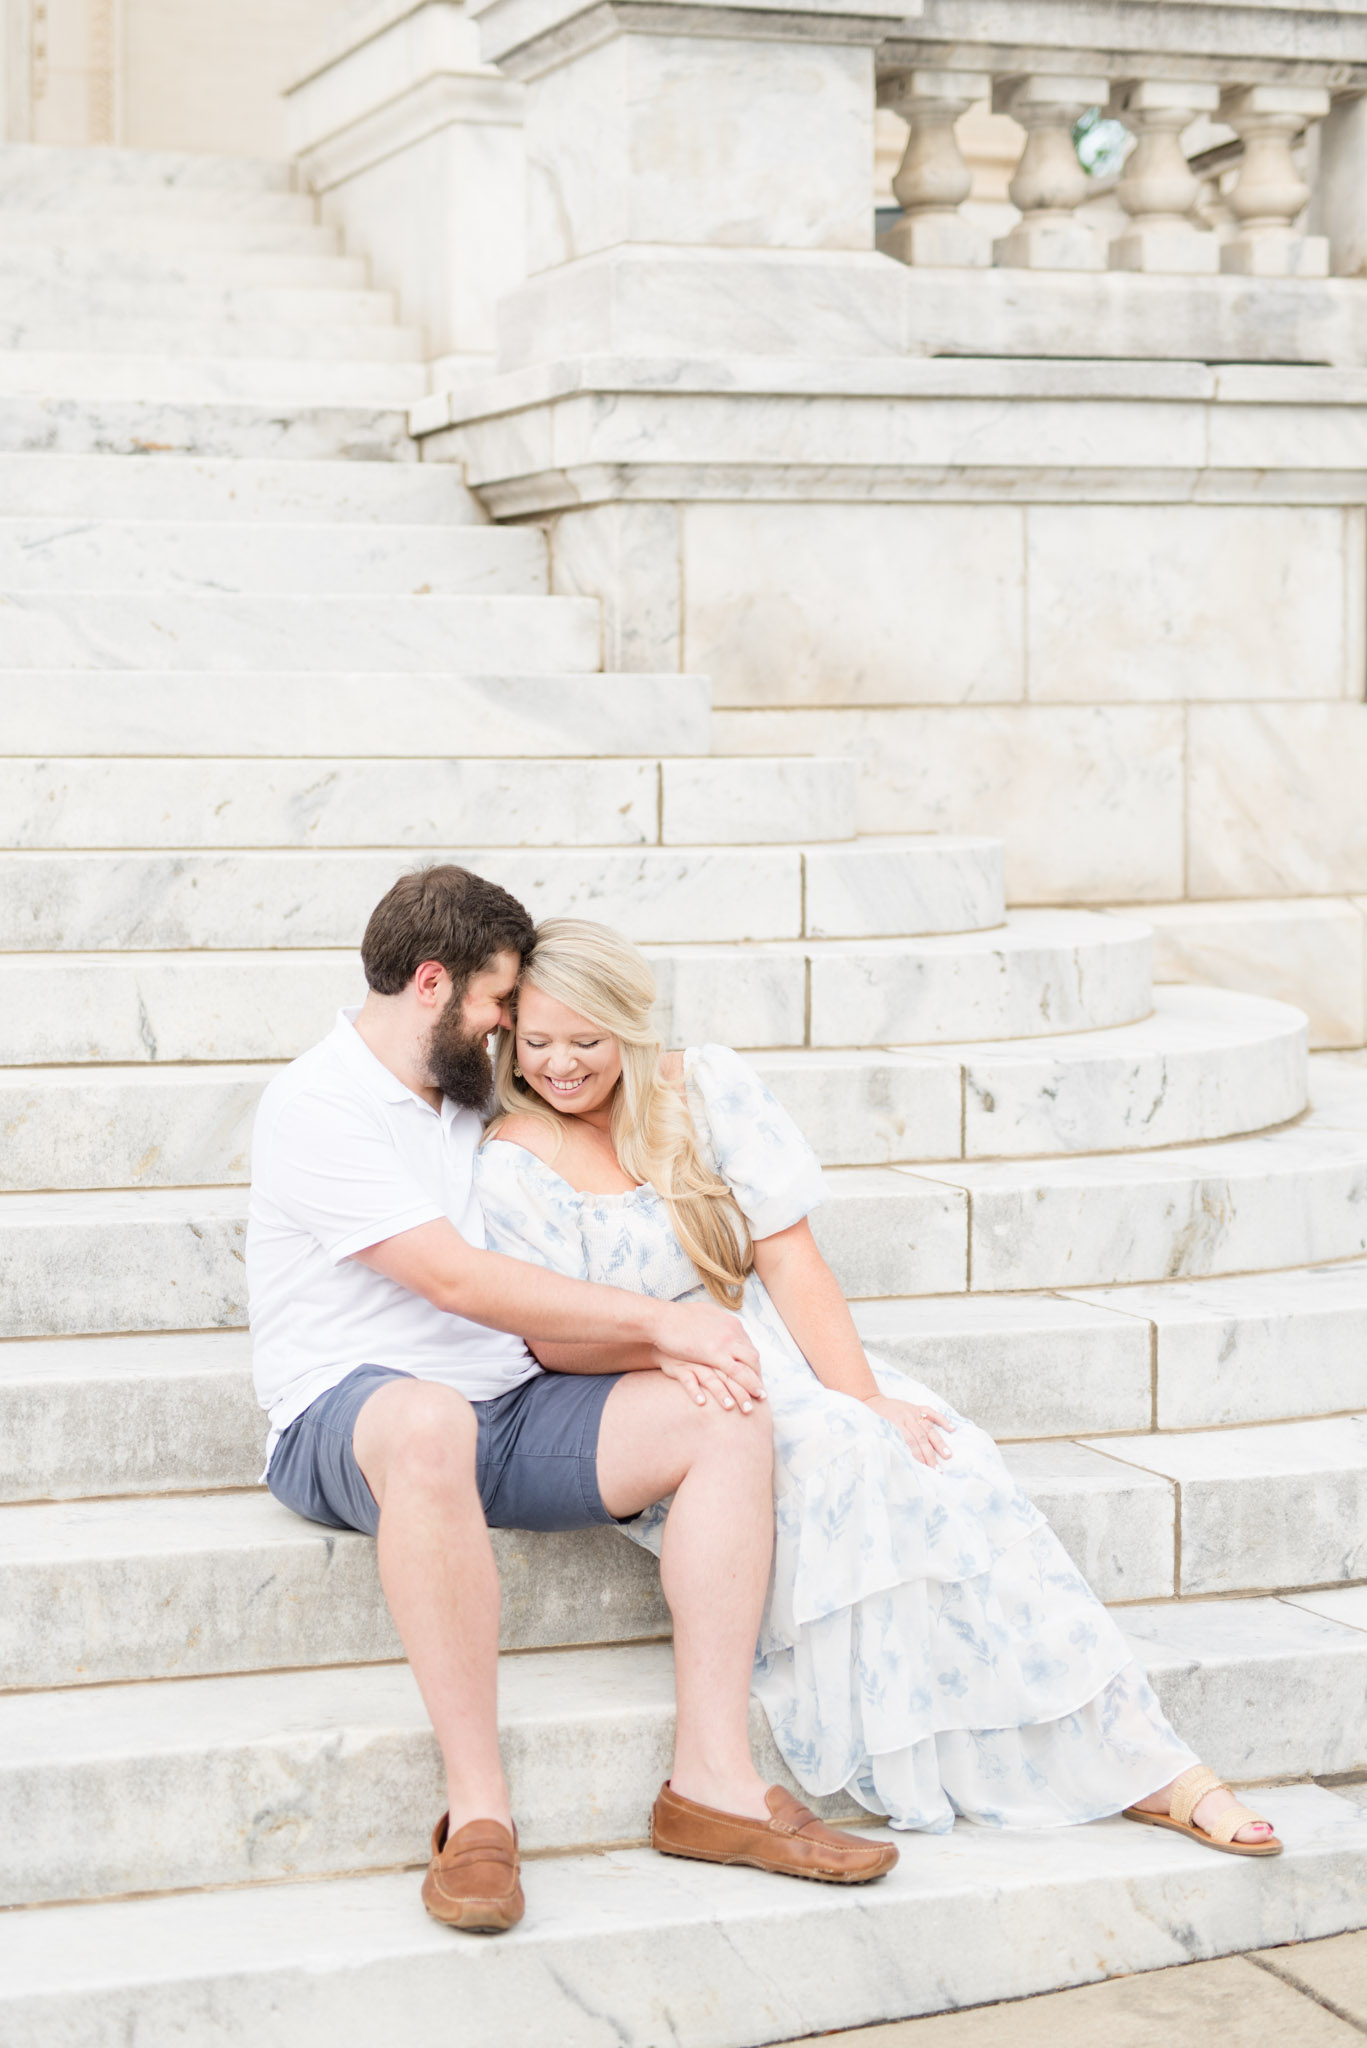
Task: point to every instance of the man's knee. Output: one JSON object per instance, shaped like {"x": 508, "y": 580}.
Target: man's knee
{"x": 729, "y": 1434}
{"x": 418, "y": 1434}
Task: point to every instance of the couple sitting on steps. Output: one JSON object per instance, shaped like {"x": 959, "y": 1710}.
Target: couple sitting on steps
{"x": 607, "y": 1306}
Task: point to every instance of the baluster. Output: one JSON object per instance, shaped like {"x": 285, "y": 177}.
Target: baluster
{"x": 1157, "y": 187}
{"x": 1270, "y": 191}
{"x": 933, "y": 180}
{"x": 1049, "y": 183}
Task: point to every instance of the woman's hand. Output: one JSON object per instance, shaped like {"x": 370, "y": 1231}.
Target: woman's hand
{"x": 920, "y": 1428}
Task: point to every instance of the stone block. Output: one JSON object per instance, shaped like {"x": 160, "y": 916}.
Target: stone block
{"x": 212, "y": 424}
{"x": 1014, "y": 769}
{"x": 1281, "y": 1505}
{"x": 246, "y": 489}
{"x": 128, "y": 1415}
{"x": 894, "y": 886}
{"x": 1244, "y": 1204}
{"x": 1263, "y": 1347}
{"x": 747, "y": 803}
{"x": 867, "y": 1108}
{"x": 1305, "y": 951}
{"x": 1118, "y": 1525}
{"x": 748, "y": 996}
{"x": 1041, "y": 972}
{"x": 882, "y": 1233}
{"x": 627, "y": 556}
{"x": 1187, "y": 602}
{"x": 1259, "y": 1687}
{"x": 1275, "y": 799}
{"x": 152, "y": 1259}
{"x": 854, "y": 604}
{"x": 1021, "y": 1365}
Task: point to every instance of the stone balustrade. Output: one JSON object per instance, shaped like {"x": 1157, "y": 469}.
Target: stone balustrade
{"x": 1158, "y": 189}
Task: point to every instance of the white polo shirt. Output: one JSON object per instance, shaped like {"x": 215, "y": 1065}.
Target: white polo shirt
{"x": 344, "y": 1156}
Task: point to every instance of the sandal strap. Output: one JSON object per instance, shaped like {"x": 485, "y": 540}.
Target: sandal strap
{"x": 1228, "y": 1823}
{"x": 1189, "y": 1790}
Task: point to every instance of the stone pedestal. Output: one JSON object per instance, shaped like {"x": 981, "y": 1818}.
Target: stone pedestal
{"x": 698, "y": 179}
{"x": 415, "y": 146}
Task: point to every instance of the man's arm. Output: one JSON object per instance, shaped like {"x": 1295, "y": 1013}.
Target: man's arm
{"x": 697, "y": 1342}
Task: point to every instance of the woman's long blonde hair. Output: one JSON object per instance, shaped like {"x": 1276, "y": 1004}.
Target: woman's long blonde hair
{"x": 593, "y": 970}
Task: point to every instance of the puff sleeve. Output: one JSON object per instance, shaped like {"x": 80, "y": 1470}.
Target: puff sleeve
{"x": 756, "y": 1147}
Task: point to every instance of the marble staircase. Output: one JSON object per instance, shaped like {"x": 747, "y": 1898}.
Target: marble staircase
{"x": 255, "y": 659}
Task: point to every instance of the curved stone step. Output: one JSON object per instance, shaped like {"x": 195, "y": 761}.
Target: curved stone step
{"x": 718, "y": 1958}
{"x": 33, "y": 175}
{"x": 291, "y": 1775}
{"x": 50, "y": 298}
{"x": 1295, "y": 1197}
{"x": 138, "y": 233}
{"x": 114, "y": 901}
{"x": 244, "y": 489}
{"x": 174, "y": 630}
{"x": 366, "y": 426}
{"x": 70, "y": 1007}
{"x": 99, "y": 391}
{"x": 141, "y": 1126}
{"x": 82, "y": 1417}
{"x": 212, "y": 334}
{"x": 288, "y": 560}
{"x": 94, "y": 803}
{"x": 103, "y": 272}
{"x": 377, "y": 716}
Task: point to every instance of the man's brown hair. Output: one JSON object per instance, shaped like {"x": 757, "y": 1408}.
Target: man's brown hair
{"x": 445, "y": 914}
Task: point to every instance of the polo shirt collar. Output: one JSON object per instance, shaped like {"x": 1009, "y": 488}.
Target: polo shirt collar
{"x": 372, "y": 1072}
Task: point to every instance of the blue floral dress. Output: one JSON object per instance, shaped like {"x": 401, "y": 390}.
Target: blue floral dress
{"x": 927, "y": 1645}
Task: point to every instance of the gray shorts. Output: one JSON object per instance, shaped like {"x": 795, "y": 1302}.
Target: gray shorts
{"x": 536, "y": 1462}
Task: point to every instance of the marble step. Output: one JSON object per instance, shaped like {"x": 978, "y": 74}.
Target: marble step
{"x": 138, "y": 233}
{"x": 630, "y": 1946}
{"x": 113, "y": 901}
{"x": 153, "y": 1258}
{"x": 180, "y": 630}
{"x": 369, "y": 428}
{"x": 216, "y": 331}
{"x": 106, "y": 271}
{"x": 72, "y": 1008}
{"x": 35, "y": 298}
{"x": 381, "y": 371}
{"x": 1256, "y": 1347}
{"x": 35, "y": 175}
{"x": 1293, "y": 1197}
{"x": 299, "y": 1774}
{"x": 151, "y": 1414}
{"x": 90, "y": 553}
{"x": 347, "y": 803}
{"x": 245, "y": 489}
{"x": 169, "y": 1126}
{"x": 380, "y": 715}
{"x": 1280, "y": 1505}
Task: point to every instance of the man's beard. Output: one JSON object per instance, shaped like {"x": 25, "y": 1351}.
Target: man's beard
{"x": 458, "y": 1064}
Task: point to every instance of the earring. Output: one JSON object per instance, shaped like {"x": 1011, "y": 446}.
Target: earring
{"x": 517, "y": 1071}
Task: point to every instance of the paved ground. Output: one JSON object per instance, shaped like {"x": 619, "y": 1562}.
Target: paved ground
{"x": 1311, "y": 1995}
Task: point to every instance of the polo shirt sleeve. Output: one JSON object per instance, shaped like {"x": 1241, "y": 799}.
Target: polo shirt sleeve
{"x": 335, "y": 1173}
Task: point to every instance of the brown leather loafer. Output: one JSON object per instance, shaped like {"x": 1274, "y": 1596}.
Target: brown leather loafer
{"x": 472, "y": 1880}
{"x": 794, "y": 1843}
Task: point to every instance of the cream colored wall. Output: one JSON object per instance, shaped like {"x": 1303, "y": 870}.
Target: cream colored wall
{"x": 208, "y": 74}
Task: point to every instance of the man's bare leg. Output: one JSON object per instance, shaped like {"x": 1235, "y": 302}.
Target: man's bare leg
{"x": 654, "y": 1440}
{"x": 415, "y": 1443}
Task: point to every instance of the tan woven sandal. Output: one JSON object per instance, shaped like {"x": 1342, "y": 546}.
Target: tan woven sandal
{"x": 1187, "y": 1793}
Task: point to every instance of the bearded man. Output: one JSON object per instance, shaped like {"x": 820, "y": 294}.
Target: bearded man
{"x": 388, "y": 1351}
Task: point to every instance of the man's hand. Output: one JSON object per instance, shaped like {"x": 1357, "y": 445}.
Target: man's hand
{"x": 706, "y": 1350}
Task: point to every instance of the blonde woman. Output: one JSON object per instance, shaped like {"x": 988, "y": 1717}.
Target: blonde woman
{"x": 927, "y": 1647}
